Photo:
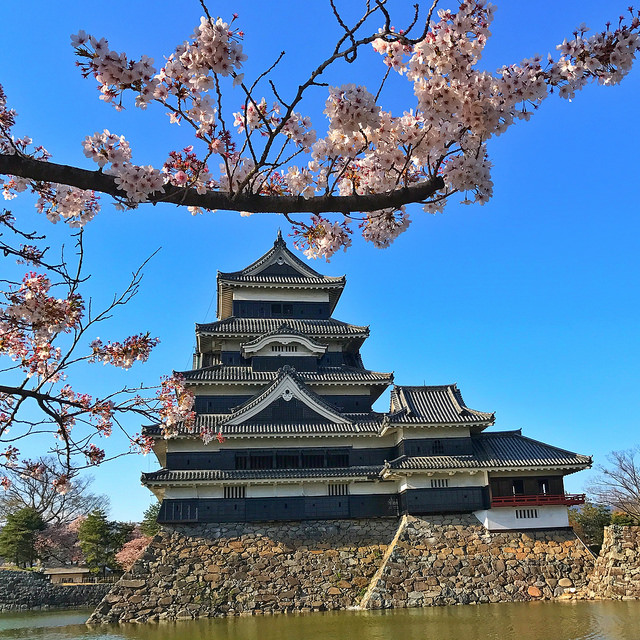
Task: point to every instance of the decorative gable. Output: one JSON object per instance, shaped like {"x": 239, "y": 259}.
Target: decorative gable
{"x": 273, "y": 402}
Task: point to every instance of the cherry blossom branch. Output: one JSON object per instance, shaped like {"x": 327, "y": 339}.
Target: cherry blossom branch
{"x": 103, "y": 183}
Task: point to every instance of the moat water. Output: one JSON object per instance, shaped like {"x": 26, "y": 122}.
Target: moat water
{"x": 518, "y": 621}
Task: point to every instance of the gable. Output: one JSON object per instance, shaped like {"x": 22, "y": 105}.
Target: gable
{"x": 286, "y": 389}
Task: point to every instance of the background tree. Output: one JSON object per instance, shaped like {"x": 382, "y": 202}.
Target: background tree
{"x": 100, "y": 540}
{"x": 149, "y": 525}
{"x": 58, "y": 544}
{"x": 589, "y": 521}
{"x": 618, "y": 483}
{"x": 18, "y": 536}
{"x": 39, "y": 493}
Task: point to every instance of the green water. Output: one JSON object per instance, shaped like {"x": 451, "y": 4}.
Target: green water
{"x": 521, "y": 621}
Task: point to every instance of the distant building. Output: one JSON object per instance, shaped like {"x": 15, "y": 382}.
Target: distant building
{"x": 67, "y": 574}
{"x": 284, "y": 383}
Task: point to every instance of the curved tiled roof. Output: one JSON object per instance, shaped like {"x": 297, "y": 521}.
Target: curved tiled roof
{"x": 364, "y": 424}
{"x": 441, "y": 404}
{"x": 497, "y": 451}
{"x": 216, "y": 475}
{"x": 305, "y": 275}
{"x": 255, "y": 327}
{"x": 324, "y": 375}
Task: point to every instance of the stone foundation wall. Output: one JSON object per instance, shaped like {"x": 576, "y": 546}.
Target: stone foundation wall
{"x": 617, "y": 570}
{"x": 24, "y": 590}
{"x": 191, "y": 571}
{"x": 218, "y": 570}
{"x": 441, "y": 560}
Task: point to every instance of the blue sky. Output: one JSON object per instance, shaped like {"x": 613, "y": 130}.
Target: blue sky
{"x": 529, "y": 303}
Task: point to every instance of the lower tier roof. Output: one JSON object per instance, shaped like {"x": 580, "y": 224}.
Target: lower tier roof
{"x": 501, "y": 450}
{"x": 167, "y": 476}
{"x": 225, "y": 374}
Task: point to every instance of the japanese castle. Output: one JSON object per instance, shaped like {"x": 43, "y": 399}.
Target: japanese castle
{"x": 284, "y": 383}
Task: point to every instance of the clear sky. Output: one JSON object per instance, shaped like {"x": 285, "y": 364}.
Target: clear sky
{"x": 529, "y": 303}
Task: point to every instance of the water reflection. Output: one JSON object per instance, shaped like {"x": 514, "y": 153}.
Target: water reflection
{"x": 521, "y": 621}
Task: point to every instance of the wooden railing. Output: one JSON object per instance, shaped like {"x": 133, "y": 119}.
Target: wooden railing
{"x": 568, "y": 499}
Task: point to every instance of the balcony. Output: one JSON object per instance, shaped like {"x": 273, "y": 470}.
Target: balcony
{"x": 567, "y": 499}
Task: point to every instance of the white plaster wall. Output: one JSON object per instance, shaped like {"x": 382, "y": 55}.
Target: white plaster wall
{"x": 423, "y": 481}
{"x": 281, "y": 295}
{"x": 315, "y": 489}
{"x": 371, "y": 488}
{"x": 181, "y": 492}
{"x": 270, "y": 491}
{"x": 550, "y": 516}
{"x": 210, "y": 492}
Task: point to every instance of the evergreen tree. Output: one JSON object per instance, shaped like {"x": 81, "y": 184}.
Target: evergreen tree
{"x": 100, "y": 540}
{"x": 18, "y": 537}
{"x": 149, "y": 525}
{"x": 589, "y": 522}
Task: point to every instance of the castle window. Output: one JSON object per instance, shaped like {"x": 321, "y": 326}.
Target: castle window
{"x": 439, "y": 483}
{"x": 276, "y": 309}
{"x": 518, "y": 487}
{"x": 287, "y": 460}
{"x": 337, "y": 459}
{"x": 437, "y": 448}
{"x": 284, "y": 348}
{"x": 526, "y": 514}
{"x": 287, "y": 309}
{"x": 338, "y": 489}
{"x": 313, "y": 460}
{"x": 234, "y": 493}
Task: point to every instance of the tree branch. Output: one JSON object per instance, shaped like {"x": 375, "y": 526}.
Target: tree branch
{"x": 25, "y": 167}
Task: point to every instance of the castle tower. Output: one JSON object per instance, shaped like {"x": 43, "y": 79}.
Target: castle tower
{"x": 284, "y": 383}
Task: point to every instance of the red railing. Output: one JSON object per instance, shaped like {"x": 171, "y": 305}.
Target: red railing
{"x": 568, "y": 499}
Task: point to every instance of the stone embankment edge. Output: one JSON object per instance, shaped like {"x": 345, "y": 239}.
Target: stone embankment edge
{"x": 30, "y": 591}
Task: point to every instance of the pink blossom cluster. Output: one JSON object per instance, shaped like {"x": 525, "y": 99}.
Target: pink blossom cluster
{"x": 215, "y": 48}
{"x": 62, "y": 483}
{"x": 184, "y": 169}
{"x": 393, "y": 51}
{"x": 30, "y": 321}
{"x": 123, "y": 354}
{"x": 74, "y": 206}
{"x": 131, "y": 551}
{"x": 138, "y": 182}
{"x": 176, "y": 405}
{"x": 351, "y": 109}
{"x": 382, "y": 227}
{"x": 114, "y": 72}
{"x": 323, "y": 237}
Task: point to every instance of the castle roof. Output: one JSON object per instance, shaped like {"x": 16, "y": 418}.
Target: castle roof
{"x": 360, "y": 424}
{"x": 279, "y": 268}
{"x": 255, "y": 327}
{"x": 167, "y": 476}
{"x": 324, "y": 375}
{"x": 497, "y": 451}
{"x": 437, "y": 404}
